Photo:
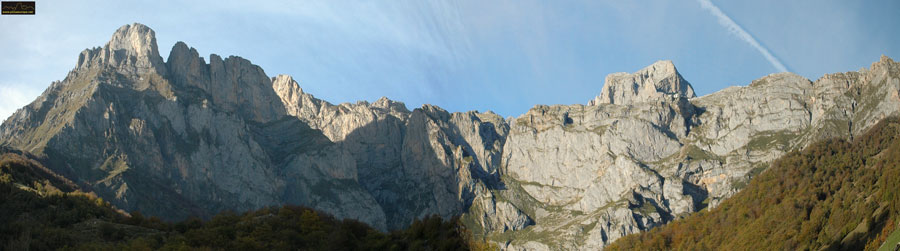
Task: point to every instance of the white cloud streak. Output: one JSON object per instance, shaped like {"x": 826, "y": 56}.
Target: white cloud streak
{"x": 736, "y": 29}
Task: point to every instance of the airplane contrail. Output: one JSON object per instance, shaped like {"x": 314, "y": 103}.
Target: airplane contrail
{"x": 736, "y": 29}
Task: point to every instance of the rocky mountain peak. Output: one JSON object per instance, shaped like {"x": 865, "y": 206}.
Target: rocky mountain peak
{"x": 234, "y": 84}
{"x": 777, "y": 79}
{"x": 582, "y": 175}
{"x": 284, "y": 81}
{"x": 288, "y": 90}
{"x": 885, "y": 63}
{"x": 187, "y": 68}
{"x": 131, "y": 50}
{"x": 654, "y": 81}
{"x": 383, "y": 101}
{"x": 136, "y": 38}
{"x": 391, "y": 105}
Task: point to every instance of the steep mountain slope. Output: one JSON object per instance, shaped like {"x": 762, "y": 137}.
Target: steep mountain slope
{"x": 427, "y": 161}
{"x": 146, "y": 138}
{"x": 835, "y": 194}
{"x": 590, "y": 174}
{"x": 186, "y": 137}
{"x": 40, "y": 208}
{"x": 44, "y": 211}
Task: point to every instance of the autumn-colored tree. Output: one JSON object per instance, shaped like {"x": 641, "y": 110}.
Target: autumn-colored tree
{"x": 835, "y": 194}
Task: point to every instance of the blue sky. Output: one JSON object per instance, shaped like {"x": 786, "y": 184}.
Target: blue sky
{"x": 504, "y": 56}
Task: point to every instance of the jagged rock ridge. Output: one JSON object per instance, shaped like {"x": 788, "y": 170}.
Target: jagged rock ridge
{"x": 654, "y": 81}
{"x": 594, "y": 173}
{"x": 185, "y": 137}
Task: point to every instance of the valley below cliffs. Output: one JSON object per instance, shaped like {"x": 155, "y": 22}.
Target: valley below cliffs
{"x": 194, "y": 136}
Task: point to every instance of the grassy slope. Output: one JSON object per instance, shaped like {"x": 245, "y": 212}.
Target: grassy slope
{"x": 832, "y": 195}
{"x": 891, "y": 242}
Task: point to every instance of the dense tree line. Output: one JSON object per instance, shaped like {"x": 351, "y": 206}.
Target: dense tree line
{"x": 281, "y": 228}
{"x": 833, "y": 195}
{"x": 42, "y": 211}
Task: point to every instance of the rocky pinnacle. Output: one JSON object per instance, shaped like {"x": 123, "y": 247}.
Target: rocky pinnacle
{"x": 194, "y": 136}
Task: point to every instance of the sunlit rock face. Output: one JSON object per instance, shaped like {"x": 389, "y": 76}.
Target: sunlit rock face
{"x": 655, "y": 81}
{"x": 195, "y": 136}
{"x": 634, "y": 159}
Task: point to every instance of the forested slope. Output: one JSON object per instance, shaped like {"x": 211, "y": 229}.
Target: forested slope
{"x": 40, "y": 210}
{"x": 835, "y": 194}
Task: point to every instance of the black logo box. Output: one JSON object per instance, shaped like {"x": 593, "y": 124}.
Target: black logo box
{"x": 16, "y": 8}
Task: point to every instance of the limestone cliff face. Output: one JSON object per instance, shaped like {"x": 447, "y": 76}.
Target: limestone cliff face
{"x": 654, "y": 81}
{"x": 591, "y": 174}
{"x": 184, "y": 137}
{"x": 417, "y": 163}
{"x": 188, "y": 137}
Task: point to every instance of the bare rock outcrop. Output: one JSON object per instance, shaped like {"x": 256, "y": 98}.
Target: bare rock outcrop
{"x": 654, "y": 81}
{"x": 189, "y": 137}
{"x": 636, "y": 159}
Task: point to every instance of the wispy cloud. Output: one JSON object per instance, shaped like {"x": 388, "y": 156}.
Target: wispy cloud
{"x": 736, "y": 29}
{"x": 504, "y": 55}
{"x": 405, "y": 50}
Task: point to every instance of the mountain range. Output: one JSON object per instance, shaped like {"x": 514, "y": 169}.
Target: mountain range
{"x": 190, "y": 136}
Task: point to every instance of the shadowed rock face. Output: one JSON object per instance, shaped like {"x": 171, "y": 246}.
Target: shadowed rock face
{"x": 186, "y": 137}
{"x": 183, "y": 137}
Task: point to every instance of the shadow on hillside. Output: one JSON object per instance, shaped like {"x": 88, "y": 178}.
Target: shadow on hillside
{"x": 400, "y": 167}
